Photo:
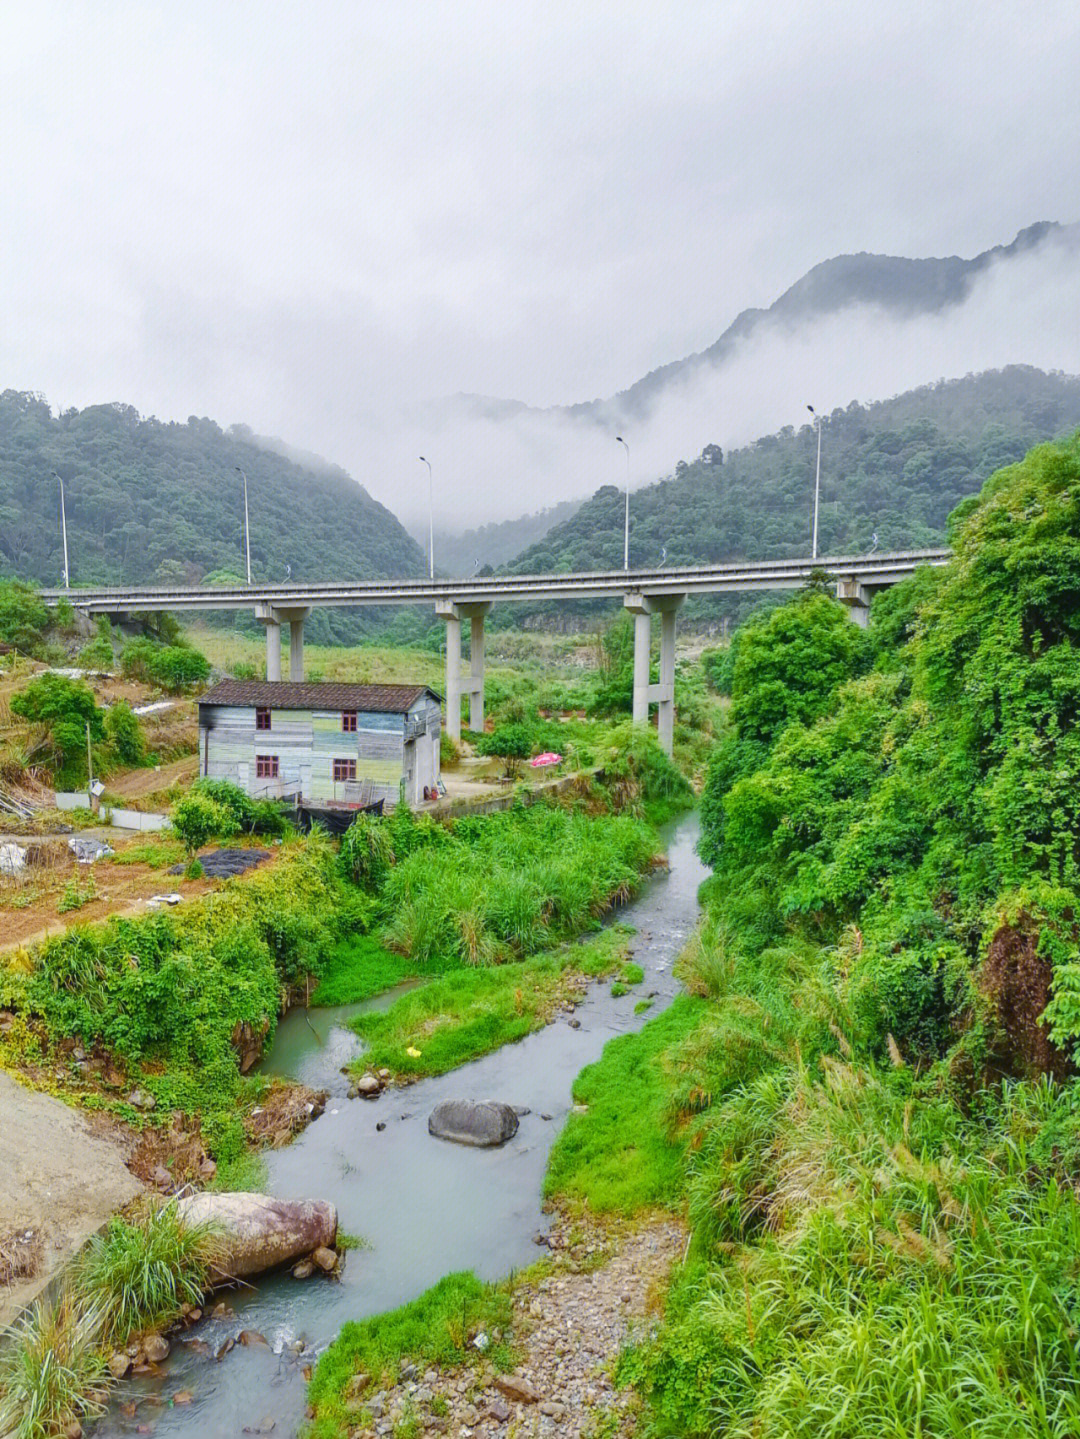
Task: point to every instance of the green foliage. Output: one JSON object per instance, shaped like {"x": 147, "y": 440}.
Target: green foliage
{"x": 160, "y": 503}
{"x": 140, "y": 1273}
{"x": 97, "y": 655}
{"x": 442, "y": 1025}
{"x": 63, "y": 707}
{"x": 358, "y": 968}
{"x": 23, "y": 617}
{"x": 638, "y": 773}
{"x": 198, "y": 819}
{"x": 50, "y": 1369}
{"x": 250, "y": 816}
{"x": 367, "y": 850}
{"x": 124, "y": 733}
{"x": 176, "y": 668}
{"x": 618, "y": 1157}
{"x": 434, "y": 1329}
{"x": 510, "y": 742}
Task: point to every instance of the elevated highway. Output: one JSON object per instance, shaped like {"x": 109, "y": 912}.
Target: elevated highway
{"x": 644, "y": 593}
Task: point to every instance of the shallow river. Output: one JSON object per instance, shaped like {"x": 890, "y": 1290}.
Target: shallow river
{"x": 425, "y": 1207}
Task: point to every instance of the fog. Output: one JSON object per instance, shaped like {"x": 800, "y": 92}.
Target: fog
{"x": 1024, "y": 310}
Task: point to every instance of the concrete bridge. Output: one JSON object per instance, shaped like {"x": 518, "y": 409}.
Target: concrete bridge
{"x": 644, "y": 593}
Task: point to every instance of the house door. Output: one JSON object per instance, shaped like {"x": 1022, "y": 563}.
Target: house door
{"x": 410, "y": 771}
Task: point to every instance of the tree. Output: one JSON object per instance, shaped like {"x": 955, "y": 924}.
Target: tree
{"x": 510, "y": 742}
{"x": 176, "y": 668}
{"x": 64, "y": 708}
{"x": 198, "y": 819}
{"x": 23, "y": 617}
{"x": 125, "y": 733}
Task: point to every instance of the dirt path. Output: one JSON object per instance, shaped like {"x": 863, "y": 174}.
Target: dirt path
{"x": 147, "y": 781}
{"x": 570, "y": 1326}
{"x": 59, "y": 1182}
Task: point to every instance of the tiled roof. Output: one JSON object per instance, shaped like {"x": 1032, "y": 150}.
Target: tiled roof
{"x": 284, "y": 695}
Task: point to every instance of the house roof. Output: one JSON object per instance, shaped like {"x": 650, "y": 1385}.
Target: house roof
{"x": 282, "y": 694}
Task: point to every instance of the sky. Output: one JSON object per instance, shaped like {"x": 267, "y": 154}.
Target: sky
{"x": 314, "y": 218}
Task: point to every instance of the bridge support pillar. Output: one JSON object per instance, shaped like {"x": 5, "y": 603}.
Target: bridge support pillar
{"x": 273, "y": 618}
{"x": 453, "y": 612}
{"x": 857, "y": 597}
{"x": 643, "y": 607}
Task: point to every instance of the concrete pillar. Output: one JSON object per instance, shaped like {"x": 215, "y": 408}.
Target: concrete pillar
{"x": 642, "y": 653}
{"x": 267, "y": 616}
{"x": 453, "y": 612}
{"x": 857, "y": 598}
{"x": 453, "y": 668}
{"x": 643, "y": 607}
{"x": 296, "y": 650}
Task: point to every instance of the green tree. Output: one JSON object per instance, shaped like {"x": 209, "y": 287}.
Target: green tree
{"x": 197, "y": 819}
{"x": 23, "y": 617}
{"x": 64, "y": 708}
{"x": 125, "y": 734}
{"x": 511, "y": 743}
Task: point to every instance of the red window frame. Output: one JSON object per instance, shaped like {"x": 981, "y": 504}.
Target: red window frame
{"x": 344, "y": 771}
{"x": 348, "y": 721}
{"x": 267, "y": 766}
{"x": 262, "y": 718}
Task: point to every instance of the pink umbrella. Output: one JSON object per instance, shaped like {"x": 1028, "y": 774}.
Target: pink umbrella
{"x": 545, "y": 759}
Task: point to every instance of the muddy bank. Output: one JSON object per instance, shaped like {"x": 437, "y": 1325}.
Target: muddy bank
{"x": 61, "y": 1177}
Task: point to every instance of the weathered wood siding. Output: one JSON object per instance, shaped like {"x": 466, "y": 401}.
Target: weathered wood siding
{"x": 306, "y": 743}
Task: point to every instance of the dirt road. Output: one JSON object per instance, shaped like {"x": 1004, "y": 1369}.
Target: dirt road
{"x": 59, "y": 1182}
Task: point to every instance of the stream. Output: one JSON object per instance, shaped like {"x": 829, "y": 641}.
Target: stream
{"x": 425, "y": 1207}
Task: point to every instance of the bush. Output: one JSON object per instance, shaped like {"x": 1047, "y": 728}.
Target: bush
{"x": 252, "y": 816}
{"x": 198, "y": 819}
{"x": 64, "y": 707}
{"x": 23, "y": 617}
{"x": 97, "y": 655}
{"x": 125, "y": 734}
{"x": 176, "y": 668}
{"x": 511, "y": 743}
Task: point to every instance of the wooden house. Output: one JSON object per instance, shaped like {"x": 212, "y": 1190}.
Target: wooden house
{"x": 322, "y": 743}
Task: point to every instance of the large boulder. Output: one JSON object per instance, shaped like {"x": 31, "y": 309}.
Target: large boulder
{"x": 255, "y": 1232}
{"x": 466, "y": 1121}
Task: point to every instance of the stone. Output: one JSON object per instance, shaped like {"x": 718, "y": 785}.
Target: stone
{"x": 409, "y": 1371}
{"x": 141, "y": 1099}
{"x": 470, "y": 1414}
{"x": 119, "y": 1364}
{"x": 463, "y": 1121}
{"x": 162, "y": 1178}
{"x": 553, "y": 1409}
{"x": 256, "y": 1232}
{"x": 226, "y": 1348}
{"x": 252, "y": 1339}
{"x": 156, "y": 1348}
{"x": 325, "y": 1258}
{"x": 384, "y": 1075}
{"x": 380, "y": 1126}
{"x": 183, "y": 1396}
{"x": 304, "y": 1270}
{"x": 499, "y": 1410}
{"x": 574, "y": 1023}
{"x": 207, "y": 1170}
{"x": 368, "y": 1086}
{"x": 517, "y": 1388}
{"x": 73, "y": 1430}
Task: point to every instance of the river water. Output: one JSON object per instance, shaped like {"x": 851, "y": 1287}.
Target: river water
{"x": 425, "y": 1207}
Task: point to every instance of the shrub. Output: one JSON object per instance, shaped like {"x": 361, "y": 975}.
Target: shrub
{"x": 23, "y": 617}
{"x": 97, "y": 655}
{"x": 253, "y": 816}
{"x": 198, "y": 819}
{"x": 511, "y": 743}
{"x": 64, "y": 707}
{"x": 125, "y": 734}
{"x": 176, "y": 668}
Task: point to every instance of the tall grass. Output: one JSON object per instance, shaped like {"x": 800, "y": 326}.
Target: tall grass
{"x": 52, "y": 1370}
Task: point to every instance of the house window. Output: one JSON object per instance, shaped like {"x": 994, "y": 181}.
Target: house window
{"x": 348, "y": 721}
{"x": 262, "y": 719}
{"x": 344, "y": 769}
{"x": 266, "y": 766}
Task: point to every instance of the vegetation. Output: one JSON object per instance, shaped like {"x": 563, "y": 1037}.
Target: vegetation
{"x": 435, "y": 1329}
{"x": 871, "y": 1092}
{"x": 471, "y": 1012}
{"x": 63, "y": 709}
{"x": 154, "y": 503}
{"x": 198, "y": 819}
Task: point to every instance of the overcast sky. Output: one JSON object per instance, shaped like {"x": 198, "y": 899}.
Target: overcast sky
{"x": 304, "y": 216}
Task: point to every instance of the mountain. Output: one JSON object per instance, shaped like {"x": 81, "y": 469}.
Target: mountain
{"x": 494, "y": 544}
{"x": 151, "y": 502}
{"x": 895, "y": 469}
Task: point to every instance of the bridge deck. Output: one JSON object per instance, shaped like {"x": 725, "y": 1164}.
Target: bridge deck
{"x": 869, "y": 570}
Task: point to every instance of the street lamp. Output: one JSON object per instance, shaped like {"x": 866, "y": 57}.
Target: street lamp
{"x": 626, "y": 528}
{"x": 817, "y": 478}
{"x": 247, "y": 528}
{"x": 63, "y": 526}
{"x": 430, "y": 519}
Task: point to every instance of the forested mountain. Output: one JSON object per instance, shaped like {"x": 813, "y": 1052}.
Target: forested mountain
{"x": 895, "y": 468}
{"x": 497, "y": 543}
{"x": 150, "y": 502}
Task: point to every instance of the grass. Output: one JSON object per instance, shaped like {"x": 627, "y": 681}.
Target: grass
{"x": 140, "y": 1274}
{"x": 52, "y": 1372}
{"x": 155, "y": 853}
{"x": 435, "y": 1329}
{"x": 470, "y": 1012}
{"x": 359, "y": 968}
{"x": 618, "y": 1157}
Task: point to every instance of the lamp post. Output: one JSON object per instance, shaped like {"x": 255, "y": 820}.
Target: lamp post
{"x": 63, "y": 528}
{"x": 626, "y": 527}
{"x": 430, "y": 519}
{"x": 247, "y": 528}
{"x": 817, "y": 479}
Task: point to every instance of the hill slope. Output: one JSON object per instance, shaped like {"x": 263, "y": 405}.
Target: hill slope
{"x": 148, "y": 501}
{"x": 895, "y": 468}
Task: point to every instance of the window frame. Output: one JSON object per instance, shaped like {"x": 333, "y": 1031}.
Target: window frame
{"x": 263, "y": 722}
{"x": 349, "y": 720}
{"x": 349, "y": 763}
{"x": 267, "y": 766}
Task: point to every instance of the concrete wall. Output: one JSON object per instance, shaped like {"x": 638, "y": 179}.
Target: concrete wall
{"x": 306, "y": 743}
{"x": 423, "y": 731}
{"x": 72, "y": 799}
{"x": 135, "y": 819}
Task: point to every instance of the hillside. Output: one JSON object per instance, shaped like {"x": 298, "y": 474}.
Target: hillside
{"x": 150, "y": 502}
{"x": 496, "y": 543}
{"x": 895, "y": 468}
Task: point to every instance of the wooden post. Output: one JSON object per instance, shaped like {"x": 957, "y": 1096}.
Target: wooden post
{"x": 90, "y": 772}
